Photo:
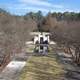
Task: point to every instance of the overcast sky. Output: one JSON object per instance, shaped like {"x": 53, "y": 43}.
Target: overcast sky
{"x": 20, "y": 7}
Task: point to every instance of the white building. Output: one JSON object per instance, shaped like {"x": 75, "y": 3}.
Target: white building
{"x": 41, "y": 41}
{"x": 39, "y": 35}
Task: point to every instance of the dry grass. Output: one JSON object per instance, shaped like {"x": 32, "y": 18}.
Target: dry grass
{"x": 42, "y": 68}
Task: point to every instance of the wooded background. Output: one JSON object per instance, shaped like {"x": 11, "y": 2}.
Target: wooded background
{"x": 64, "y": 28}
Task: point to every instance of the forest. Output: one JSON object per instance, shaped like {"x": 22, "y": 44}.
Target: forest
{"x": 64, "y": 29}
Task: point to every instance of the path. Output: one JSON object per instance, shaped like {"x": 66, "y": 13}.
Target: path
{"x": 43, "y": 68}
{"x": 55, "y": 66}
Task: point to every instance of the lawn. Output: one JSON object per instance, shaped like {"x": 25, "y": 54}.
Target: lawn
{"x": 42, "y": 68}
